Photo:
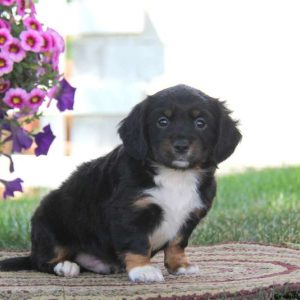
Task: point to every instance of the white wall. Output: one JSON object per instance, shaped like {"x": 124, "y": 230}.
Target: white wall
{"x": 246, "y": 52}
{"x": 243, "y": 51}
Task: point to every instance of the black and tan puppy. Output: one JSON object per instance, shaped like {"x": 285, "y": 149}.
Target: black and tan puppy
{"x": 147, "y": 195}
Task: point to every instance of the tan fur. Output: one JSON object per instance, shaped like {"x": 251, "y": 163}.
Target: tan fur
{"x": 197, "y": 212}
{"x": 195, "y": 113}
{"x": 142, "y": 202}
{"x": 167, "y": 146}
{"x": 136, "y": 260}
{"x": 175, "y": 256}
{"x": 61, "y": 254}
{"x": 168, "y": 113}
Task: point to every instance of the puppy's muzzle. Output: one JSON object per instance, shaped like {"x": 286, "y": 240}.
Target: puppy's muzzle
{"x": 181, "y": 146}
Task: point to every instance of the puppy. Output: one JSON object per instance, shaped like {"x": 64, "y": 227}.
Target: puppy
{"x": 115, "y": 212}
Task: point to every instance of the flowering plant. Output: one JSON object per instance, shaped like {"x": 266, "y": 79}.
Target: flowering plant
{"x": 29, "y": 77}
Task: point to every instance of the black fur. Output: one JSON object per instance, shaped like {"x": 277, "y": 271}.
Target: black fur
{"x": 93, "y": 212}
{"x": 15, "y": 264}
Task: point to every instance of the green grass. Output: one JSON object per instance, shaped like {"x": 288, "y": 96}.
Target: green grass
{"x": 15, "y": 222}
{"x": 254, "y": 206}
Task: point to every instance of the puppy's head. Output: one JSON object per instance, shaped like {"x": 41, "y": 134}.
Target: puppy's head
{"x": 180, "y": 127}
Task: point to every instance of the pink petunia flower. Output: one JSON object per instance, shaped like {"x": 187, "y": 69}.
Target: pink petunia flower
{"x": 47, "y": 42}
{"x": 32, "y": 8}
{"x": 5, "y": 24}
{"x": 4, "y": 85}
{"x": 32, "y": 24}
{"x": 52, "y": 93}
{"x": 55, "y": 60}
{"x": 6, "y": 64}
{"x": 5, "y": 37}
{"x": 23, "y": 5}
{"x": 15, "y": 51}
{"x": 57, "y": 40}
{"x": 16, "y": 98}
{"x": 7, "y": 2}
{"x": 35, "y": 98}
{"x": 31, "y": 40}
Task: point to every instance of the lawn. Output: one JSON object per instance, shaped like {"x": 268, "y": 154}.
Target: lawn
{"x": 254, "y": 206}
{"x": 15, "y": 222}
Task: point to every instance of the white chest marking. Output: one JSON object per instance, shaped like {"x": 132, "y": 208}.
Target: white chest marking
{"x": 176, "y": 193}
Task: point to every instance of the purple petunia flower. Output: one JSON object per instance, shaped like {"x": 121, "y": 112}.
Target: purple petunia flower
{"x": 65, "y": 96}
{"x": 11, "y": 187}
{"x": 31, "y": 40}
{"x": 32, "y": 24}
{"x": 20, "y": 138}
{"x": 15, "y": 98}
{"x": 5, "y": 37}
{"x": 35, "y": 98}
{"x": 14, "y": 50}
{"x": 6, "y": 64}
{"x": 4, "y": 85}
{"x": 7, "y": 2}
{"x": 44, "y": 140}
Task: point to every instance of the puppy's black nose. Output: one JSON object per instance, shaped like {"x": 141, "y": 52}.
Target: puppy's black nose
{"x": 181, "y": 146}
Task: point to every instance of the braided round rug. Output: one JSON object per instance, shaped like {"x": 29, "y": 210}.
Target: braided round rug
{"x": 228, "y": 271}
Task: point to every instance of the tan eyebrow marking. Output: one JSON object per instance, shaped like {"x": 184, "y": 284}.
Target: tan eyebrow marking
{"x": 167, "y": 113}
{"x": 195, "y": 113}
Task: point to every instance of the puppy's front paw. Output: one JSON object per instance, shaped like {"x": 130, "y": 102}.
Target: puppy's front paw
{"x": 67, "y": 269}
{"x": 146, "y": 273}
{"x": 191, "y": 269}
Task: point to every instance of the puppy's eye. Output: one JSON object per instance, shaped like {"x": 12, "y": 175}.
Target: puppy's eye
{"x": 163, "y": 122}
{"x": 200, "y": 123}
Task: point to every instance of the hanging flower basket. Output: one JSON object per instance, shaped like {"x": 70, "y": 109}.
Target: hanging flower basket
{"x": 29, "y": 81}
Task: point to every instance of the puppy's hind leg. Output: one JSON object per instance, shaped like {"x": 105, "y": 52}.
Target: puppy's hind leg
{"x": 59, "y": 264}
{"x": 47, "y": 256}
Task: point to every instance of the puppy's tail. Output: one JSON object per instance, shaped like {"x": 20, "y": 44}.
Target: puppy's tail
{"x": 16, "y": 264}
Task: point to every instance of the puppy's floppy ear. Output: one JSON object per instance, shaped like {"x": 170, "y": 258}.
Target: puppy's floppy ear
{"x": 132, "y": 132}
{"x": 228, "y": 136}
